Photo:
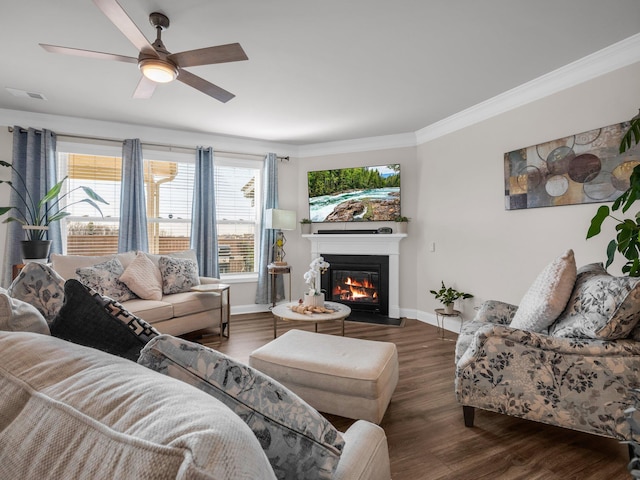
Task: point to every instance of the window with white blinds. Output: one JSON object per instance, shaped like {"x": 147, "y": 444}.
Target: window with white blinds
{"x": 169, "y": 195}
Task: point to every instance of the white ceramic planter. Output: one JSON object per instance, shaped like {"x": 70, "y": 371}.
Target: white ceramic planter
{"x": 314, "y": 300}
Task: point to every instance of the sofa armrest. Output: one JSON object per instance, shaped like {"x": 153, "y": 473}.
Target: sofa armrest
{"x": 365, "y": 455}
{"x": 495, "y": 311}
{"x": 209, "y": 280}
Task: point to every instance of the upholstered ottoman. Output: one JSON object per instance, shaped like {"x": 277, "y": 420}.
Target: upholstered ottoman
{"x": 343, "y": 376}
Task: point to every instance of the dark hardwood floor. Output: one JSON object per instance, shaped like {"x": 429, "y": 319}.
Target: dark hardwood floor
{"x": 426, "y": 434}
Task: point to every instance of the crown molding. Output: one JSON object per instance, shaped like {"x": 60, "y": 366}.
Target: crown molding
{"x": 609, "y": 59}
{"x": 385, "y": 142}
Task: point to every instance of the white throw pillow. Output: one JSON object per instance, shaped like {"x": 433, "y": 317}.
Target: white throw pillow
{"x": 19, "y": 316}
{"x": 143, "y": 277}
{"x": 548, "y": 295}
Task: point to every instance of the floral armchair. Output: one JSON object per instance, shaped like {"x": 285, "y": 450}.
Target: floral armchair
{"x": 579, "y": 383}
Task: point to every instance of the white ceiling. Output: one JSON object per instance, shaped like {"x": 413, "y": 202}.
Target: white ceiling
{"x": 318, "y": 71}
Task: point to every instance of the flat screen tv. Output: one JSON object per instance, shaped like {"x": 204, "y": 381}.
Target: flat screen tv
{"x": 358, "y": 194}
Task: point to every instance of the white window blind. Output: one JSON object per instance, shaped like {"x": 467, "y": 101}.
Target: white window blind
{"x": 169, "y": 196}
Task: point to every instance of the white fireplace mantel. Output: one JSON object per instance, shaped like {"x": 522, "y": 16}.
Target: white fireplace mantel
{"x": 365, "y": 244}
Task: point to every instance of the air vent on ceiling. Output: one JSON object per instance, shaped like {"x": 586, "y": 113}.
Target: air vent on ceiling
{"x": 23, "y": 94}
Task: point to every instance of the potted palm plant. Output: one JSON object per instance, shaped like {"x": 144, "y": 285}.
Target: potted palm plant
{"x": 36, "y": 215}
{"x": 448, "y": 295}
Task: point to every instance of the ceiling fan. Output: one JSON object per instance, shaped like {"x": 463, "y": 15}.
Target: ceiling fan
{"x": 156, "y": 63}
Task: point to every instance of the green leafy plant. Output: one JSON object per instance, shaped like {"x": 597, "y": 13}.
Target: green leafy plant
{"x": 627, "y": 240}
{"x": 41, "y": 213}
{"x": 401, "y": 219}
{"x": 448, "y": 295}
{"x": 305, "y": 220}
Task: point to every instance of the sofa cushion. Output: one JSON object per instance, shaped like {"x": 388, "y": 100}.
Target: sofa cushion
{"x": 70, "y": 412}
{"x": 143, "y": 277}
{"x": 104, "y": 278}
{"x": 39, "y": 285}
{"x": 66, "y": 265}
{"x": 19, "y": 316}
{"x": 178, "y": 274}
{"x": 89, "y": 319}
{"x": 601, "y": 306}
{"x": 150, "y": 310}
{"x": 193, "y": 302}
{"x": 548, "y": 295}
{"x": 299, "y": 442}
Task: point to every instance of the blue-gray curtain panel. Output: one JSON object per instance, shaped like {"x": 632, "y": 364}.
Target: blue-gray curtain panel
{"x": 204, "y": 237}
{"x": 267, "y": 235}
{"x": 133, "y": 207}
{"x": 34, "y": 156}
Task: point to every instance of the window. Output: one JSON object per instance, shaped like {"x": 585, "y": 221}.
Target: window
{"x": 169, "y": 193}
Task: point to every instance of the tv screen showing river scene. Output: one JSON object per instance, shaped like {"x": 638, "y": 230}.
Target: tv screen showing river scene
{"x": 359, "y": 194}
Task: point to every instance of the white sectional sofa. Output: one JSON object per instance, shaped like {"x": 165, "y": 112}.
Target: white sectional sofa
{"x": 173, "y": 314}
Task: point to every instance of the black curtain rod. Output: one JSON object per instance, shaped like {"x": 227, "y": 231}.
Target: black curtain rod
{"x": 161, "y": 145}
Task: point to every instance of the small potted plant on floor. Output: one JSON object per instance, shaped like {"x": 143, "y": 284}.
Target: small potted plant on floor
{"x": 305, "y": 226}
{"x": 447, "y": 296}
{"x": 36, "y": 215}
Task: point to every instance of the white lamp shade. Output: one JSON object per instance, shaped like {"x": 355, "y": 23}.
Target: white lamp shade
{"x": 280, "y": 219}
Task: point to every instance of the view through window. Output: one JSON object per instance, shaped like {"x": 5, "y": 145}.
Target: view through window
{"x": 169, "y": 194}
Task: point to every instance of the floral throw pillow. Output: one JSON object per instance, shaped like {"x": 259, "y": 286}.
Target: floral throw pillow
{"x": 601, "y": 306}
{"x": 104, "y": 278}
{"x": 40, "y": 286}
{"x": 298, "y": 441}
{"x": 178, "y": 274}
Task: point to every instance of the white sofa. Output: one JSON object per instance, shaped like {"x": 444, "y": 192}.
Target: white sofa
{"x": 174, "y": 314}
{"x": 69, "y": 411}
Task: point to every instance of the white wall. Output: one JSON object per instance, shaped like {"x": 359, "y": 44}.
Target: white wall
{"x": 452, "y": 188}
{"x": 480, "y": 247}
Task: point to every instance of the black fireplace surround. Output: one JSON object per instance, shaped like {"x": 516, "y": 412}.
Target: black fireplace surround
{"x": 370, "y": 272}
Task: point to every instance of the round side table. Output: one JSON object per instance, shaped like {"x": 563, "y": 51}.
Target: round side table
{"x": 440, "y": 316}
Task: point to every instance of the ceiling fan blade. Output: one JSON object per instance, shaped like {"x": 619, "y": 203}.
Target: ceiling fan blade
{"x": 88, "y": 53}
{"x": 117, "y": 15}
{"x": 204, "y": 86}
{"x": 145, "y": 88}
{"x": 232, "y": 52}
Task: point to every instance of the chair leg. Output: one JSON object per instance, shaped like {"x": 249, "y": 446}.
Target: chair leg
{"x": 468, "y": 413}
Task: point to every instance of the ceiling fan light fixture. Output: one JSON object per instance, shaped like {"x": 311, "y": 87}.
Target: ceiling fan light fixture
{"x": 158, "y": 70}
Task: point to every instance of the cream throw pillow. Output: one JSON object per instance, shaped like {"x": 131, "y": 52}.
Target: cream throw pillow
{"x": 548, "y": 296}
{"x": 143, "y": 278}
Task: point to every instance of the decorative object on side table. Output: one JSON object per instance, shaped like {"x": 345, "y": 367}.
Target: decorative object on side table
{"x": 305, "y": 226}
{"x": 627, "y": 241}
{"x": 36, "y": 216}
{"x": 280, "y": 220}
{"x": 315, "y": 297}
{"x": 403, "y": 223}
{"x": 447, "y": 296}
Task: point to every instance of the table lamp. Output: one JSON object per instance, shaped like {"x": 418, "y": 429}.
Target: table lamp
{"x": 280, "y": 220}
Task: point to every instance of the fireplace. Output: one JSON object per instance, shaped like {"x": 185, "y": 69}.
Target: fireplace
{"x": 352, "y": 245}
{"x": 359, "y": 281}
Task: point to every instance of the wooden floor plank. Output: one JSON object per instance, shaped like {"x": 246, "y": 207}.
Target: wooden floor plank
{"x": 426, "y": 434}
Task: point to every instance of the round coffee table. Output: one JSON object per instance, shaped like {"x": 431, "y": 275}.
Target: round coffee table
{"x": 283, "y": 312}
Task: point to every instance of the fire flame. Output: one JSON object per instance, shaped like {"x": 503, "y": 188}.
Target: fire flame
{"x": 356, "y": 290}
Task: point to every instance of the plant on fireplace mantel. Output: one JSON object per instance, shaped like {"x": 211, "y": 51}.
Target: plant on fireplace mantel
{"x": 448, "y": 295}
{"x": 312, "y": 277}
